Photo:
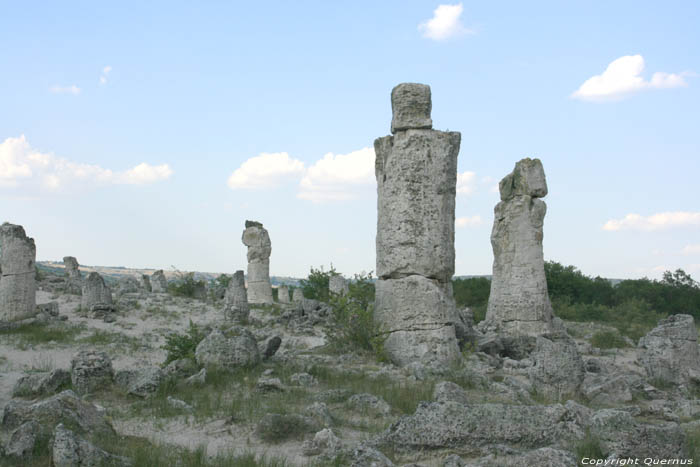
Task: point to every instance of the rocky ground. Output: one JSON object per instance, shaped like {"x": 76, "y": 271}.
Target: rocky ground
{"x": 92, "y": 389}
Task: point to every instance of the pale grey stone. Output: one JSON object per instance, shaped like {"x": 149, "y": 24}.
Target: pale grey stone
{"x": 542, "y": 457}
{"x": 323, "y": 441}
{"x": 526, "y": 179}
{"x": 337, "y": 285}
{"x": 557, "y": 371}
{"x": 70, "y": 450}
{"x": 236, "y": 299}
{"x": 95, "y": 292}
{"x": 158, "y": 282}
{"x": 74, "y": 280}
{"x": 519, "y": 303}
{"x": 146, "y": 282}
{"x": 179, "y": 404}
{"x": 297, "y": 295}
{"x": 17, "y": 274}
{"x": 90, "y": 370}
{"x": 41, "y": 384}
{"x": 230, "y": 349}
{"x": 141, "y": 382}
{"x": 669, "y": 352}
{"x": 319, "y": 412}
{"x": 198, "y": 379}
{"x": 283, "y": 294}
{"x": 606, "y": 389}
{"x": 449, "y": 391}
{"x": 303, "y": 379}
{"x": 370, "y": 403}
{"x": 22, "y": 440}
{"x": 411, "y": 105}
{"x": 418, "y": 314}
{"x": 257, "y": 239}
{"x": 366, "y": 456}
{"x": 266, "y": 384}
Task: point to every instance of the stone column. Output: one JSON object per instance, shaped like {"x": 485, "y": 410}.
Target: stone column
{"x": 236, "y": 299}
{"x": 158, "y": 282}
{"x": 519, "y": 303}
{"x": 298, "y": 295}
{"x": 95, "y": 292}
{"x": 17, "y": 274}
{"x": 283, "y": 294}
{"x": 416, "y": 172}
{"x": 256, "y": 238}
{"x": 338, "y": 285}
{"x": 74, "y": 280}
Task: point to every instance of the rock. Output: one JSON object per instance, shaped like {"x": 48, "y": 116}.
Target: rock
{"x": 283, "y": 294}
{"x": 318, "y": 411}
{"x": 74, "y": 280}
{"x": 467, "y": 335}
{"x": 323, "y": 441}
{"x": 418, "y": 314}
{"x": 70, "y": 450}
{"x": 146, "y": 282}
{"x": 333, "y": 395}
{"x": 297, "y": 295}
{"x": 236, "y": 299}
{"x": 670, "y": 351}
{"x": 271, "y": 347}
{"x": 127, "y": 285}
{"x": 410, "y": 107}
{"x": 257, "y": 239}
{"x": 369, "y": 403}
{"x": 276, "y": 427}
{"x": 491, "y": 344}
{"x": 23, "y": 439}
{"x": 179, "y": 404}
{"x": 416, "y": 171}
{"x": 180, "y": 368}
{"x": 519, "y": 303}
{"x": 269, "y": 385}
{"x": 230, "y": 349}
{"x": 453, "y": 460}
{"x": 141, "y": 382}
{"x": 17, "y": 274}
{"x": 366, "y": 456}
{"x": 303, "y": 379}
{"x": 49, "y": 309}
{"x": 41, "y": 384}
{"x": 606, "y": 389}
{"x": 63, "y": 407}
{"x": 337, "y": 285}
{"x": 158, "y": 282}
{"x": 96, "y": 295}
{"x": 90, "y": 370}
{"x": 198, "y": 379}
{"x": 448, "y": 391}
{"x": 543, "y": 457}
{"x": 557, "y": 370}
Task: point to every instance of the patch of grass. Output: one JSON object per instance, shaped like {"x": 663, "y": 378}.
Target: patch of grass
{"x": 662, "y": 384}
{"x": 692, "y": 443}
{"x": 183, "y": 345}
{"x": 41, "y": 364}
{"x": 608, "y": 340}
{"x": 104, "y": 338}
{"x": 42, "y": 333}
{"x": 276, "y": 428}
{"x": 589, "y": 447}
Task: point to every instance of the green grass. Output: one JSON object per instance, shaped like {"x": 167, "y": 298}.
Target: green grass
{"x": 42, "y": 333}
{"x": 608, "y": 340}
{"x": 692, "y": 444}
{"x": 589, "y": 447}
{"x": 103, "y": 338}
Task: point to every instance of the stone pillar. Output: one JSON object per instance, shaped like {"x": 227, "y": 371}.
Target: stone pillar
{"x": 158, "y": 282}
{"x": 416, "y": 172}
{"x": 95, "y": 292}
{"x": 17, "y": 274}
{"x": 298, "y": 295}
{"x": 256, "y": 238}
{"x": 74, "y": 280}
{"x": 236, "y": 299}
{"x": 146, "y": 282}
{"x": 283, "y": 294}
{"x": 338, "y": 285}
{"x": 519, "y": 303}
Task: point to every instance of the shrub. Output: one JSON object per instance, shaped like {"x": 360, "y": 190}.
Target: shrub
{"x": 316, "y": 285}
{"x": 185, "y": 285}
{"x": 280, "y": 427}
{"x": 183, "y": 345}
{"x": 589, "y": 447}
{"x": 608, "y": 340}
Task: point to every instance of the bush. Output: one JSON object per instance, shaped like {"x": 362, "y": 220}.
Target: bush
{"x": 185, "y": 285}
{"x": 316, "y": 285}
{"x": 608, "y": 340}
{"x": 472, "y": 291}
{"x": 183, "y": 345}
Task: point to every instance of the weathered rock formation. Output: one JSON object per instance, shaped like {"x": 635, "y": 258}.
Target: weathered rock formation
{"x": 90, "y": 370}
{"x": 337, "y": 285}
{"x": 95, "y": 293}
{"x": 519, "y": 303}
{"x": 670, "y": 351}
{"x": 236, "y": 299}
{"x": 416, "y": 172}
{"x": 283, "y": 294}
{"x": 228, "y": 349}
{"x": 256, "y": 238}
{"x": 298, "y": 295}
{"x": 17, "y": 274}
{"x": 74, "y": 280}
{"x": 158, "y": 282}
{"x": 146, "y": 281}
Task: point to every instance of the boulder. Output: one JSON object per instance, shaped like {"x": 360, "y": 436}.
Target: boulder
{"x": 90, "y": 370}
{"x": 96, "y": 294}
{"x": 557, "y": 370}
{"x": 669, "y": 352}
{"x": 70, "y": 450}
{"x": 41, "y": 384}
{"x": 233, "y": 348}
{"x": 158, "y": 282}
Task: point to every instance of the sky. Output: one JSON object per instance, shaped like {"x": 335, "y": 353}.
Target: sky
{"x": 144, "y": 134}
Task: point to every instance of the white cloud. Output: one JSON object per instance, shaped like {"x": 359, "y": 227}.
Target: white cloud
{"x": 472, "y": 221}
{"x": 692, "y": 249}
{"x": 105, "y": 74}
{"x": 660, "y": 221}
{"x": 23, "y": 166}
{"x": 73, "y": 89}
{"x": 466, "y": 183}
{"x": 338, "y": 177}
{"x": 445, "y": 23}
{"x": 265, "y": 170}
{"x": 623, "y": 77}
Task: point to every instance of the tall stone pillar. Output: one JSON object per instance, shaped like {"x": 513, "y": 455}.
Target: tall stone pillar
{"x": 17, "y": 279}
{"x": 256, "y": 238}
{"x": 74, "y": 280}
{"x": 519, "y": 303}
{"x": 416, "y": 172}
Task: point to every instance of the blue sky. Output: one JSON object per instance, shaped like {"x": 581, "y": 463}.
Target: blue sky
{"x": 145, "y": 135}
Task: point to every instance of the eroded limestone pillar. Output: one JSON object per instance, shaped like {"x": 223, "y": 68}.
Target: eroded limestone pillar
{"x": 519, "y": 302}
{"x": 95, "y": 292}
{"x": 256, "y": 238}
{"x": 416, "y": 172}
{"x": 18, "y": 276}
{"x": 283, "y": 294}
{"x": 159, "y": 283}
{"x": 236, "y": 299}
{"x": 74, "y": 280}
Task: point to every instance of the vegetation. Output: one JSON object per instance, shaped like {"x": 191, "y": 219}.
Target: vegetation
{"x": 42, "y": 333}
{"x": 608, "y": 340}
{"x": 474, "y": 293}
{"x": 185, "y": 285}
{"x": 183, "y": 345}
{"x": 316, "y": 285}
{"x": 589, "y": 447}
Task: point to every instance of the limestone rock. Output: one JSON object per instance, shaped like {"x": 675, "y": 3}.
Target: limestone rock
{"x": 233, "y": 348}
{"x": 257, "y": 239}
{"x": 70, "y": 450}
{"x": 41, "y": 384}
{"x": 557, "y": 370}
{"x": 337, "y": 285}
{"x": 158, "y": 282}
{"x": 141, "y": 382}
{"x": 519, "y": 303}
{"x": 74, "y": 280}
{"x": 17, "y": 274}
{"x": 418, "y": 314}
{"x": 236, "y": 299}
{"x": 542, "y": 457}
{"x": 303, "y": 379}
{"x": 198, "y": 379}
{"x": 297, "y": 295}
{"x": 369, "y": 403}
{"x": 90, "y": 370}
{"x": 411, "y": 105}
{"x": 606, "y": 389}
{"x": 448, "y": 391}
{"x": 670, "y": 350}
{"x": 22, "y": 440}
{"x": 146, "y": 282}
{"x": 271, "y": 347}
{"x": 95, "y": 292}
{"x": 266, "y": 384}
{"x": 283, "y": 294}
{"x": 367, "y": 456}
{"x": 323, "y": 441}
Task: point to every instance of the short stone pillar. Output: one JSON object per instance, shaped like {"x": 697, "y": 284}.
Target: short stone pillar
{"x": 158, "y": 282}
{"x": 95, "y": 292}
{"x": 17, "y": 274}
{"x": 74, "y": 280}
{"x": 283, "y": 294}
{"x": 236, "y": 299}
{"x": 298, "y": 295}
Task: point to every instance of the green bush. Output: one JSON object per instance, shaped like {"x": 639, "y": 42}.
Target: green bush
{"x": 608, "y": 340}
{"x": 589, "y": 447}
{"x": 183, "y": 345}
{"x": 472, "y": 291}
{"x": 316, "y": 285}
{"x": 185, "y": 285}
